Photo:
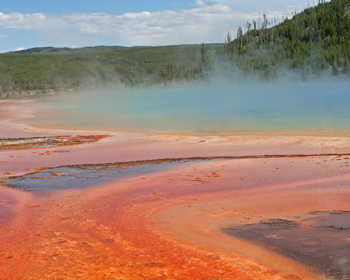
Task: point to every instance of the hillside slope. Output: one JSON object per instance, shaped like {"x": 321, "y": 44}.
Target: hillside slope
{"x": 312, "y": 41}
{"x": 53, "y": 69}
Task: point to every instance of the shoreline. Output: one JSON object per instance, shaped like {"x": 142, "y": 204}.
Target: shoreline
{"x": 326, "y": 140}
{"x": 31, "y": 113}
{"x": 17, "y": 123}
{"x": 135, "y": 146}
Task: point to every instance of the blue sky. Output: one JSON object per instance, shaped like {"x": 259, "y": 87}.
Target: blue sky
{"x": 77, "y": 23}
{"x": 57, "y": 7}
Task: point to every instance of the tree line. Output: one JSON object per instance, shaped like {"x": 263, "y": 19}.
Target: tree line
{"x": 313, "y": 41}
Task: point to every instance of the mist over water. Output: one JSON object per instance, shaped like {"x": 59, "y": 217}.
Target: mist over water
{"x": 221, "y": 107}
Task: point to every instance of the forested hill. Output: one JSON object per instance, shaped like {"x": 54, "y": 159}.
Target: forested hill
{"x": 313, "y": 41}
{"x": 41, "y": 70}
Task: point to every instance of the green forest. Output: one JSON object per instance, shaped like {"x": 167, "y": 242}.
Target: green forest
{"x": 311, "y": 43}
{"x": 43, "y": 70}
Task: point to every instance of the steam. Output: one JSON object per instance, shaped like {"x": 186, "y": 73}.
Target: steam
{"x": 244, "y": 105}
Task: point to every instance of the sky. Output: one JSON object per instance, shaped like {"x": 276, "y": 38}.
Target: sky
{"x": 77, "y": 23}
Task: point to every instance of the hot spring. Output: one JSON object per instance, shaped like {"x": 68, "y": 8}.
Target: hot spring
{"x": 300, "y": 108}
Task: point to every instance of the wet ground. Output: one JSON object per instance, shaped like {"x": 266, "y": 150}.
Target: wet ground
{"x": 318, "y": 239}
{"x": 83, "y": 175}
{"x": 103, "y": 231}
{"x": 135, "y": 206}
{"x": 48, "y": 180}
{"x": 47, "y": 142}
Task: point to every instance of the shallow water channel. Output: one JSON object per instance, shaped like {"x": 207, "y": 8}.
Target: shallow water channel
{"x": 316, "y": 239}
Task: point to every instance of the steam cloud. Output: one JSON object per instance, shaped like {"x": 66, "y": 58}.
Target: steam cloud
{"x": 218, "y": 106}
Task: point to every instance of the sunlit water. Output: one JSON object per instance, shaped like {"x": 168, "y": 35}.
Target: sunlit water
{"x": 319, "y": 107}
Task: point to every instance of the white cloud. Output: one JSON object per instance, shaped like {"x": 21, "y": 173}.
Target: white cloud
{"x": 208, "y": 21}
{"x": 204, "y": 23}
{"x": 18, "y": 20}
{"x": 277, "y": 6}
{"x": 20, "y": 49}
{"x": 2, "y": 36}
{"x": 200, "y": 3}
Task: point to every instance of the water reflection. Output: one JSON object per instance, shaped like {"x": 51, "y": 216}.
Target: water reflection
{"x": 70, "y": 177}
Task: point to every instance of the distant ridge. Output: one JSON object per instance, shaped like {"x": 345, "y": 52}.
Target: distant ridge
{"x": 41, "y": 50}
{"x": 46, "y": 50}
{"x": 49, "y": 69}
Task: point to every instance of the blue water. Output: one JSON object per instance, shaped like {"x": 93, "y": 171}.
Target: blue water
{"x": 209, "y": 108}
{"x": 62, "y": 178}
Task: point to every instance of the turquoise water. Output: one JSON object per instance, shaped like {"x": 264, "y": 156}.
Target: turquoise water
{"x": 210, "y": 108}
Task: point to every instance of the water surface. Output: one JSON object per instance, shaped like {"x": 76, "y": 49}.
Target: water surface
{"x": 319, "y": 239}
{"x": 305, "y": 108}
